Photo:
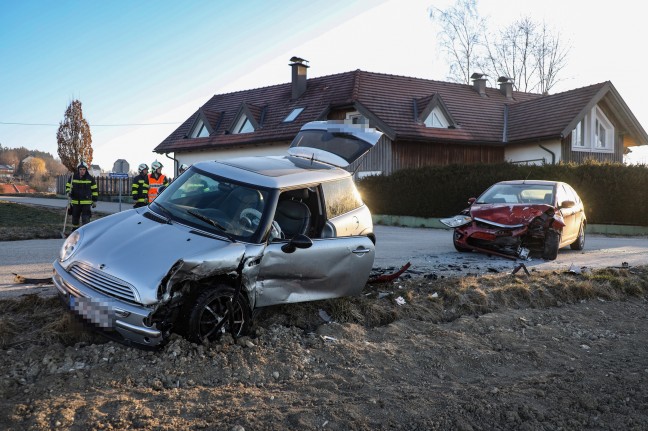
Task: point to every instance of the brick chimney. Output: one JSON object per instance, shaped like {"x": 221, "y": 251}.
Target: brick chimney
{"x": 298, "y": 76}
{"x": 479, "y": 83}
{"x": 506, "y": 86}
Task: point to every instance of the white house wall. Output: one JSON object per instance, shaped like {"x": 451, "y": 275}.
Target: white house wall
{"x": 532, "y": 153}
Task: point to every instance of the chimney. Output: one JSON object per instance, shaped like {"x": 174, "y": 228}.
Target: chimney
{"x": 298, "y": 76}
{"x": 506, "y": 86}
{"x": 479, "y": 83}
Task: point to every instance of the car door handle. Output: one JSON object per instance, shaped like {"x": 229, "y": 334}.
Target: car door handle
{"x": 361, "y": 251}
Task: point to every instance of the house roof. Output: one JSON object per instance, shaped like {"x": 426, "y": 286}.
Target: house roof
{"x": 394, "y": 105}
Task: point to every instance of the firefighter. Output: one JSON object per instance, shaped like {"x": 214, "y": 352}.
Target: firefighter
{"x": 82, "y": 189}
{"x": 156, "y": 180}
{"x": 140, "y": 187}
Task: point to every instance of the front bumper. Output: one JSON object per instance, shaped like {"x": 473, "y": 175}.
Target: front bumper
{"x": 105, "y": 312}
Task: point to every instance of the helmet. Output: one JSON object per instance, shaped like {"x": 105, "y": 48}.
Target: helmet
{"x": 156, "y": 165}
{"x": 82, "y": 165}
{"x": 142, "y": 167}
{"x": 183, "y": 167}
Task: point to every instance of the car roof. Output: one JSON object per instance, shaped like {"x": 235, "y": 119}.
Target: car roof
{"x": 276, "y": 172}
{"x": 531, "y": 182}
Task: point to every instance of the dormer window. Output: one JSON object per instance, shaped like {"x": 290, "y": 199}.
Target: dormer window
{"x": 356, "y": 118}
{"x": 243, "y": 126}
{"x": 593, "y": 133}
{"x": 436, "y": 119}
{"x": 200, "y": 131}
{"x": 293, "y": 114}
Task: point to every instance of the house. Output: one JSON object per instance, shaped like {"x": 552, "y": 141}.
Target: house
{"x": 424, "y": 122}
{"x": 6, "y": 171}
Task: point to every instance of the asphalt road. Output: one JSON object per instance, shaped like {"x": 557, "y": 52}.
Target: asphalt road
{"x": 429, "y": 251}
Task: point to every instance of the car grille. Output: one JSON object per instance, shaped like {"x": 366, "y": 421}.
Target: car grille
{"x": 104, "y": 283}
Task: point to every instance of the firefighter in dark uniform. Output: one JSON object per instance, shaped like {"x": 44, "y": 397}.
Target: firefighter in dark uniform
{"x": 140, "y": 187}
{"x": 82, "y": 189}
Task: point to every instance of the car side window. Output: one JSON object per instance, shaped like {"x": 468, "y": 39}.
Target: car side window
{"x": 341, "y": 196}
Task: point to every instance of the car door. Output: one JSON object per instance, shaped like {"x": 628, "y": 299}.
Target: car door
{"x": 330, "y": 268}
{"x": 570, "y": 215}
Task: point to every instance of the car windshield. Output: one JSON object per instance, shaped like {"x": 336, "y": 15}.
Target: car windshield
{"x": 214, "y": 204}
{"x": 517, "y": 194}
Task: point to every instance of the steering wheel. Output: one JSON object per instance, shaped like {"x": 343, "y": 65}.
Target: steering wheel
{"x": 250, "y": 218}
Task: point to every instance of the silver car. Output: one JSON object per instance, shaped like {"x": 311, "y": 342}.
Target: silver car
{"x": 224, "y": 238}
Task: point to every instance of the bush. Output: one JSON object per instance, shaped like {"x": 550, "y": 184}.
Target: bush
{"x": 612, "y": 192}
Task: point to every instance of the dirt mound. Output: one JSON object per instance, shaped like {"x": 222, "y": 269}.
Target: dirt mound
{"x": 545, "y": 352}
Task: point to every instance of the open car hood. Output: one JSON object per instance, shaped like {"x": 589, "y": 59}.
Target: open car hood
{"x": 508, "y": 214}
{"x": 336, "y": 144}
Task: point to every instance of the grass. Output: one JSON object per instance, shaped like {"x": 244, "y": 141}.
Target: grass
{"x": 22, "y": 222}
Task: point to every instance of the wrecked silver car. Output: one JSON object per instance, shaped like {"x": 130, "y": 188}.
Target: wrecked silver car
{"x": 224, "y": 238}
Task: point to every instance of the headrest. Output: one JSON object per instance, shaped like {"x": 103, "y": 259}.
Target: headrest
{"x": 296, "y": 194}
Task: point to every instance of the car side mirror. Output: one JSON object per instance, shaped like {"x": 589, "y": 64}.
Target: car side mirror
{"x": 299, "y": 241}
{"x": 567, "y": 204}
{"x": 471, "y": 201}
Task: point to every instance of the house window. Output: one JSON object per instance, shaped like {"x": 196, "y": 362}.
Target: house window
{"x": 594, "y": 133}
{"x": 436, "y": 119}
{"x": 356, "y": 118}
{"x": 578, "y": 135}
{"x": 200, "y": 131}
{"x": 294, "y": 114}
{"x": 243, "y": 126}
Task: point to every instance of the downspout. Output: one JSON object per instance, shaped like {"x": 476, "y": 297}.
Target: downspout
{"x": 175, "y": 165}
{"x": 553, "y": 155}
{"x": 505, "y": 131}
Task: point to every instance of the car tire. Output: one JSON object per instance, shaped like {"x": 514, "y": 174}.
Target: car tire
{"x": 458, "y": 247}
{"x": 551, "y": 245}
{"x": 579, "y": 244}
{"x": 216, "y": 312}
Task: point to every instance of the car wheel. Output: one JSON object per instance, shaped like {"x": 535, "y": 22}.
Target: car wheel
{"x": 551, "y": 245}
{"x": 458, "y": 247}
{"x": 216, "y": 312}
{"x": 579, "y": 244}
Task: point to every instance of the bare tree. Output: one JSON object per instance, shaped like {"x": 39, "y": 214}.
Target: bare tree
{"x": 551, "y": 58}
{"x": 74, "y": 138}
{"x": 460, "y": 36}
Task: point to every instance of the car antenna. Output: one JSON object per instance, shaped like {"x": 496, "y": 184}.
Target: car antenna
{"x": 527, "y": 177}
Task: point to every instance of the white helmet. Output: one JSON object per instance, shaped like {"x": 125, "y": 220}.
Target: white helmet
{"x": 156, "y": 165}
{"x": 142, "y": 167}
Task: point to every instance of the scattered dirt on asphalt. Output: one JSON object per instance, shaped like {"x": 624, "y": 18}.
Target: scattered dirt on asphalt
{"x": 550, "y": 351}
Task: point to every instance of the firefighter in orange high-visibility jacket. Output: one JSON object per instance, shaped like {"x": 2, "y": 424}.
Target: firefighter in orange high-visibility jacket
{"x": 82, "y": 189}
{"x": 140, "y": 187}
{"x": 156, "y": 180}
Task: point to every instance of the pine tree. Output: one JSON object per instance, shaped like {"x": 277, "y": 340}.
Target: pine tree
{"x": 74, "y": 138}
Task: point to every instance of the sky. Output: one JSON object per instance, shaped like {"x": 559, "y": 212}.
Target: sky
{"x": 141, "y": 68}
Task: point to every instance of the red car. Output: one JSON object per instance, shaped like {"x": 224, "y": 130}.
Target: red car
{"x": 513, "y": 218}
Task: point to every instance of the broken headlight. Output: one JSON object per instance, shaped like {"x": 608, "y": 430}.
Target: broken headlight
{"x": 457, "y": 221}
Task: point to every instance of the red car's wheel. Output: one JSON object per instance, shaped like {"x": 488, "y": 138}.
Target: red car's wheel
{"x": 551, "y": 245}
{"x": 579, "y": 244}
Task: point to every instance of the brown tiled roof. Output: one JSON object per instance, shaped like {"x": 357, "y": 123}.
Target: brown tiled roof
{"x": 390, "y": 100}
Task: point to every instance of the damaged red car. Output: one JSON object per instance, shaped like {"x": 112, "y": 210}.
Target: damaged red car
{"x": 515, "y": 218}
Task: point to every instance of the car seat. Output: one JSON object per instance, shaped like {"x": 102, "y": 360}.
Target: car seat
{"x": 548, "y": 199}
{"x": 292, "y": 214}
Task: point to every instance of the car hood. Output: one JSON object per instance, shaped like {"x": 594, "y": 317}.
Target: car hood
{"x": 508, "y": 214}
{"x": 141, "y": 251}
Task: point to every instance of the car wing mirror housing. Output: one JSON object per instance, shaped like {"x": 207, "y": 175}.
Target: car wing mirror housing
{"x": 299, "y": 241}
{"x": 471, "y": 201}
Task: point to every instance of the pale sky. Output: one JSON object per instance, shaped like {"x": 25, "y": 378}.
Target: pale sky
{"x": 158, "y": 61}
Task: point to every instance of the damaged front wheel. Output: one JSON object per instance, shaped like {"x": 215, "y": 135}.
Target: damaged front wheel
{"x": 218, "y": 311}
{"x": 551, "y": 245}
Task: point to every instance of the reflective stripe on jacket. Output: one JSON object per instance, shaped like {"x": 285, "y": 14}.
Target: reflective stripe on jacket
{"x": 82, "y": 190}
{"x": 140, "y": 189}
{"x": 155, "y": 184}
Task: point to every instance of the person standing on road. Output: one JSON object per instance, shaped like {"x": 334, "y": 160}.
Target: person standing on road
{"x": 140, "y": 187}
{"x": 82, "y": 189}
{"x": 156, "y": 180}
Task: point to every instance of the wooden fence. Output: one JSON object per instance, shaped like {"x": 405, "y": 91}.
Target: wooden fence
{"x": 108, "y": 188}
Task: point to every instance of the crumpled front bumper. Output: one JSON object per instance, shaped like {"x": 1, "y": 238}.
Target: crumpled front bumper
{"x": 105, "y": 312}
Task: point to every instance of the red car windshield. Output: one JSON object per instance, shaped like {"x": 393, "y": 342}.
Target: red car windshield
{"x": 518, "y": 194}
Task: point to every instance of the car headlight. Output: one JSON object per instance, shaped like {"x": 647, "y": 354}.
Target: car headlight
{"x": 456, "y": 221}
{"x": 70, "y": 245}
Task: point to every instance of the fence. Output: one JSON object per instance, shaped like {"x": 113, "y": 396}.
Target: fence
{"x": 108, "y": 188}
